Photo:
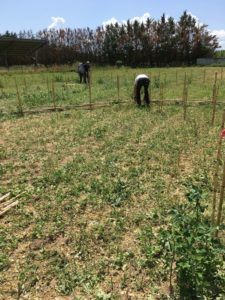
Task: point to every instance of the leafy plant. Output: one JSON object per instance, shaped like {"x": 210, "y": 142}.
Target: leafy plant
{"x": 191, "y": 251}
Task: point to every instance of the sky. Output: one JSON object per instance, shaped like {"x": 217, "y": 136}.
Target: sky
{"x": 16, "y": 15}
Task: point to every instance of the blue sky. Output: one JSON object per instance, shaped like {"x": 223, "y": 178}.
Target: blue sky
{"x": 16, "y": 15}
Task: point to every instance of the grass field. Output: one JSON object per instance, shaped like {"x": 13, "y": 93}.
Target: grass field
{"x": 59, "y": 86}
{"x": 98, "y": 186}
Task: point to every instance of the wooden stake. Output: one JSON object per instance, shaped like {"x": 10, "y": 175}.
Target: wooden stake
{"x": 214, "y": 99}
{"x": 185, "y": 96}
{"x": 47, "y": 82}
{"x": 9, "y": 207}
{"x": 161, "y": 96}
{"x": 20, "y": 106}
{"x": 4, "y": 197}
{"x": 53, "y": 95}
{"x": 6, "y": 203}
{"x": 118, "y": 88}
{"x": 215, "y": 177}
{"x": 89, "y": 90}
{"x": 220, "y": 205}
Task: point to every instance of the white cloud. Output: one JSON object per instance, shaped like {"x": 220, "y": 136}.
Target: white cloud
{"x": 221, "y": 36}
{"x": 219, "y": 33}
{"x": 56, "y": 22}
{"x": 139, "y": 19}
{"x": 198, "y": 22}
{"x": 111, "y": 21}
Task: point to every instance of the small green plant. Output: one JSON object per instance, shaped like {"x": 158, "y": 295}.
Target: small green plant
{"x": 191, "y": 251}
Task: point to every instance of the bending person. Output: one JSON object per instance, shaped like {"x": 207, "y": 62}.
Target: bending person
{"x": 140, "y": 81}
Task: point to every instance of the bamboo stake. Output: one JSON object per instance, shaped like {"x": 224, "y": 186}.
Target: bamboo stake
{"x": 6, "y": 203}
{"x": 161, "y": 96}
{"x": 89, "y": 90}
{"x": 118, "y": 88}
{"x": 9, "y": 207}
{"x": 220, "y": 206}
{"x": 4, "y": 197}
{"x": 53, "y": 95}
{"x": 47, "y": 82}
{"x": 20, "y": 107}
{"x": 215, "y": 177}
{"x": 185, "y": 95}
{"x": 214, "y": 99}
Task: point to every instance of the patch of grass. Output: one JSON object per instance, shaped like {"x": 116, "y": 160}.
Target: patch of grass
{"x": 98, "y": 186}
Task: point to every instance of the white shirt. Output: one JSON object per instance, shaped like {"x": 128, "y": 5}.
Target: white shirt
{"x": 140, "y": 76}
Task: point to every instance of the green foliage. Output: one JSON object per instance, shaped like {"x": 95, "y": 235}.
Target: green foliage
{"x": 219, "y": 53}
{"x": 96, "y": 183}
{"x": 192, "y": 251}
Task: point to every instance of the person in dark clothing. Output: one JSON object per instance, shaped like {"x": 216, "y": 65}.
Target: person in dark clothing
{"x": 82, "y": 73}
{"x": 87, "y": 70}
{"x": 140, "y": 81}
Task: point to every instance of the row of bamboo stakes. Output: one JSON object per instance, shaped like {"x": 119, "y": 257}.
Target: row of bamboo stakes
{"x": 52, "y": 93}
{"x": 216, "y": 211}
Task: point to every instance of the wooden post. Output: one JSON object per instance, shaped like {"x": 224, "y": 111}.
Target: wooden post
{"x": 53, "y": 95}
{"x": 118, "y": 88}
{"x": 161, "y": 96}
{"x": 48, "y": 89}
{"x": 215, "y": 177}
{"x": 20, "y": 106}
{"x": 214, "y": 99}
{"x": 220, "y": 205}
{"x": 89, "y": 90}
{"x": 185, "y": 96}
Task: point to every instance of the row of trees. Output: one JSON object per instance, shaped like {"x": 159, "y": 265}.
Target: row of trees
{"x": 153, "y": 43}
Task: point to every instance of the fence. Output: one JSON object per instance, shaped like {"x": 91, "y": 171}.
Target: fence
{"x": 55, "y": 90}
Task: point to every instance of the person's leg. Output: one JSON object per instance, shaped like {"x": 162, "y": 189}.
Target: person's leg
{"x": 80, "y": 77}
{"x": 146, "y": 94}
{"x": 137, "y": 93}
{"x": 85, "y": 79}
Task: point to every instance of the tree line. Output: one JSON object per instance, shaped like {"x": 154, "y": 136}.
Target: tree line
{"x": 163, "y": 42}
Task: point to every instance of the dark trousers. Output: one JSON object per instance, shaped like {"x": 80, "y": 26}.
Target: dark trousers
{"x": 83, "y": 77}
{"x": 142, "y": 82}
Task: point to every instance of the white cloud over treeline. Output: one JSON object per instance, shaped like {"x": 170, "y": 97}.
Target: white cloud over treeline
{"x": 221, "y": 37}
{"x": 219, "y": 33}
{"x": 141, "y": 19}
{"x": 56, "y": 22}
